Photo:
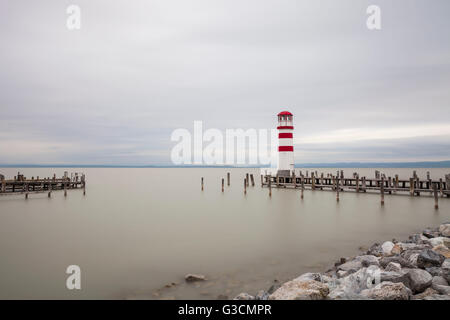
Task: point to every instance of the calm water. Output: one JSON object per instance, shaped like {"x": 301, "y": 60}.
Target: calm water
{"x": 137, "y": 230}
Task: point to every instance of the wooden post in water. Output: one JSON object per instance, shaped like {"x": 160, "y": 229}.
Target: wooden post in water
{"x": 262, "y": 181}
{"x": 396, "y": 183}
{"x": 26, "y": 191}
{"x": 270, "y": 185}
{"x": 357, "y": 183}
{"x": 294, "y": 179}
{"x": 364, "y": 184}
{"x": 252, "y": 179}
{"x": 441, "y": 188}
{"x": 202, "y": 183}
{"x": 223, "y": 183}
{"x": 245, "y": 185}
{"x": 246, "y": 179}
{"x": 411, "y": 186}
{"x": 65, "y": 189}
{"x": 303, "y": 186}
{"x": 313, "y": 181}
{"x": 228, "y": 179}
{"x": 436, "y": 205}
{"x": 382, "y": 190}
{"x": 337, "y": 188}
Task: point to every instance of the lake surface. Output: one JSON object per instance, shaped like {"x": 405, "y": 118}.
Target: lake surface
{"x": 138, "y": 230}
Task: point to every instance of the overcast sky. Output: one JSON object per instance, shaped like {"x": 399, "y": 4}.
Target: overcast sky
{"x": 113, "y": 91}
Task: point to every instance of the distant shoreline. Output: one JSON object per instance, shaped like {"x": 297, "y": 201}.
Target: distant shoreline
{"x": 422, "y": 164}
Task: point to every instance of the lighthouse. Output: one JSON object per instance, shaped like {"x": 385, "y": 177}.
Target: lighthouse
{"x": 285, "y": 143}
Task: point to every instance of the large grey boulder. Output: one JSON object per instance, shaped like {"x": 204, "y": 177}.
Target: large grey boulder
{"x": 440, "y": 285}
{"x": 421, "y": 296}
{"x": 388, "y": 291}
{"x": 445, "y": 268}
{"x": 419, "y": 280}
{"x": 375, "y": 250}
{"x": 396, "y": 277}
{"x": 301, "y": 290}
{"x": 444, "y": 229}
{"x": 429, "y": 258}
{"x": 357, "y": 263}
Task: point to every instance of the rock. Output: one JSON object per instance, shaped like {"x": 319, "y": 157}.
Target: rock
{"x": 388, "y": 291}
{"x": 397, "y": 259}
{"x": 443, "y": 250}
{"x": 412, "y": 246}
{"x": 387, "y": 248}
{"x": 426, "y": 293}
{"x": 301, "y": 290}
{"x": 434, "y": 271}
{"x": 418, "y": 238}
{"x": 393, "y": 266}
{"x": 310, "y": 276}
{"x": 375, "y": 250}
{"x": 339, "y": 294}
{"x": 222, "y": 297}
{"x": 445, "y": 268}
{"x": 262, "y": 295}
{"x": 444, "y": 229}
{"x": 419, "y": 280}
{"x": 430, "y": 233}
{"x": 273, "y": 288}
{"x": 436, "y": 241}
{"x": 244, "y": 296}
{"x": 440, "y": 285}
{"x": 194, "y": 277}
{"x": 396, "y": 277}
{"x": 342, "y": 273}
{"x": 368, "y": 260}
{"x": 428, "y": 258}
{"x": 396, "y": 249}
{"x": 350, "y": 265}
{"x": 411, "y": 256}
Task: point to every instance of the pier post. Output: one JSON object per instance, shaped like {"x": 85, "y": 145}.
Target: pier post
{"x": 303, "y": 186}
{"x": 65, "y": 188}
{"x": 321, "y": 181}
{"x": 436, "y": 205}
{"x": 337, "y": 188}
{"x": 223, "y": 183}
{"x": 396, "y": 183}
{"x": 3, "y": 185}
{"x": 228, "y": 179}
{"x": 245, "y": 185}
{"x": 262, "y": 181}
{"x": 26, "y": 191}
{"x": 246, "y": 179}
{"x": 441, "y": 187}
{"x": 202, "y": 183}
{"x": 313, "y": 181}
{"x": 270, "y": 185}
{"x": 382, "y": 190}
{"x": 364, "y": 184}
{"x": 357, "y": 183}
{"x": 252, "y": 179}
{"x": 411, "y": 186}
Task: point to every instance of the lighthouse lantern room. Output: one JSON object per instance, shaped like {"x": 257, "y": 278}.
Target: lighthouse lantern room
{"x": 285, "y": 143}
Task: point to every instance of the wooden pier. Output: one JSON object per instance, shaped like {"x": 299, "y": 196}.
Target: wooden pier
{"x": 22, "y": 185}
{"x": 381, "y": 184}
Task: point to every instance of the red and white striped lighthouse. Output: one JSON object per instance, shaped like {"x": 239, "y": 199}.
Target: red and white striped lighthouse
{"x": 285, "y": 141}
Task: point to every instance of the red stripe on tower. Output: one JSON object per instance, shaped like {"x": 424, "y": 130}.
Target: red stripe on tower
{"x": 286, "y": 149}
{"x": 285, "y": 135}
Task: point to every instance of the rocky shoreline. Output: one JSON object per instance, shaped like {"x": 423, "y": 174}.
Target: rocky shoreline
{"x": 414, "y": 269}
